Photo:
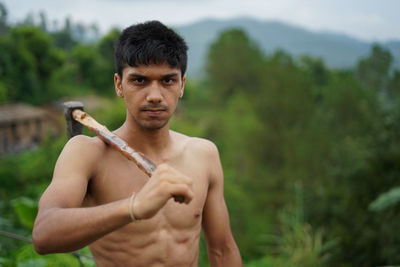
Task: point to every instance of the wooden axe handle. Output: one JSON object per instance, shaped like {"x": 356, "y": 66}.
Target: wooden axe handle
{"x": 146, "y": 165}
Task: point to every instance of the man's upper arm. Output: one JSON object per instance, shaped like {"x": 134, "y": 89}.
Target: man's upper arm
{"x": 216, "y": 224}
{"x": 72, "y": 172}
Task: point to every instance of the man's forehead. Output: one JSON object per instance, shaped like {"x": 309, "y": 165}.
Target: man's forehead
{"x": 151, "y": 70}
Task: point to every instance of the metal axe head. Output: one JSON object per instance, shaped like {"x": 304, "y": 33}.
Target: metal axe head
{"x": 73, "y": 127}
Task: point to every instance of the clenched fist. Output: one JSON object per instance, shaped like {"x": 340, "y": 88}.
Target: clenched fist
{"x": 165, "y": 183}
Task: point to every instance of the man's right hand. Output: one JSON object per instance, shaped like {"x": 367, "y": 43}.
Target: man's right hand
{"x": 165, "y": 183}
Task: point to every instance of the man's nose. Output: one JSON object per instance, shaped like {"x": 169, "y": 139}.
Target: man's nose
{"x": 154, "y": 93}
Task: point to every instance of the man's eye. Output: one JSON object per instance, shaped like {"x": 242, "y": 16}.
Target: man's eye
{"x": 169, "y": 81}
{"x": 138, "y": 80}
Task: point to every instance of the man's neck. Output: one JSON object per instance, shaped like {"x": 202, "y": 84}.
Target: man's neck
{"x": 150, "y": 142}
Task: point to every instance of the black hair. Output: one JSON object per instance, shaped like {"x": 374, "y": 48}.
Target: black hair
{"x": 150, "y": 43}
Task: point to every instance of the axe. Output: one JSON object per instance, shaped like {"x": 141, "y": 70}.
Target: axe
{"x": 75, "y": 117}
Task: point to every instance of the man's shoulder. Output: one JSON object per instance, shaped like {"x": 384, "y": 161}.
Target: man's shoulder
{"x": 82, "y": 154}
{"x": 203, "y": 145}
{"x": 197, "y": 145}
{"x": 82, "y": 145}
{"x": 203, "y": 152}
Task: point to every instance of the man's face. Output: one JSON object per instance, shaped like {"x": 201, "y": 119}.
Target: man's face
{"x": 150, "y": 92}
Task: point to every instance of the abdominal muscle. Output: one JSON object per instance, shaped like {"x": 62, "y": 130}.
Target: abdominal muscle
{"x": 154, "y": 242}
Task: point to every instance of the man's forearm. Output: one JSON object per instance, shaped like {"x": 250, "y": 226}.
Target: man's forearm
{"x": 69, "y": 229}
{"x": 228, "y": 256}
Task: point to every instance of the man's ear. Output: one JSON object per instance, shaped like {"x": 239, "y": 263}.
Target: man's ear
{"x": 183, "y": 86}
{"x": 118, "y": 85}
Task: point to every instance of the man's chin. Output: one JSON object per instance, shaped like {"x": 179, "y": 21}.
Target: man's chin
{"x": 153, "y": 125}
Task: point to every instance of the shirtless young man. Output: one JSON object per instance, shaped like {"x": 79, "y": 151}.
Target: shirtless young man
{"x": 89, "y": 199}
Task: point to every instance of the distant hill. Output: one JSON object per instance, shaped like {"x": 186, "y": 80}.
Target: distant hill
{"x": 337, "y": 50}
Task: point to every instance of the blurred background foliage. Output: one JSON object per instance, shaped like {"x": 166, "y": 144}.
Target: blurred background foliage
{"x": 311, "y": 155}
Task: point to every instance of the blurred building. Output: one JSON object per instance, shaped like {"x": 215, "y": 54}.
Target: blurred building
{"x": 23, "y": 126}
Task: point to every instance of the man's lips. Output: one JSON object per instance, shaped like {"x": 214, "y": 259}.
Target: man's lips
{"x": 154, "y": 112}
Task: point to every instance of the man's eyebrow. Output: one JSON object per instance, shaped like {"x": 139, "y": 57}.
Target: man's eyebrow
{"x": 135, "y": 75}
{"x": 170, "y": 75}
{"x": 140, "y": 76}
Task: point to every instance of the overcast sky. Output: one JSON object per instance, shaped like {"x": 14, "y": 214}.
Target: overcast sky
{"x": 370, "y": 20}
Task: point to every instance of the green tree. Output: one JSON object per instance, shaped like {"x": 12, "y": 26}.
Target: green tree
{"x": 394, "y": 86}
{"x": 106, "y": 52}
{"x": 63, "y": 40}
{"x": 234, "y": 62}
{"x": 28, "y": 64}
{"x": 94, "y": 63}
{"x": 373, "y": 71}
{"x": 3, "y": 19}
{"x": 106, "y": 45}
{"x": 356, "y": 145}
{"x": 86, "y": 59}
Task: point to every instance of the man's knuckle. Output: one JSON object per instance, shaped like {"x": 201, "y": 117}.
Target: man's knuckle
{"x": 184, "y": 187}
{"x": 163, "y": 183}
{"x": 161, "y": 168}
